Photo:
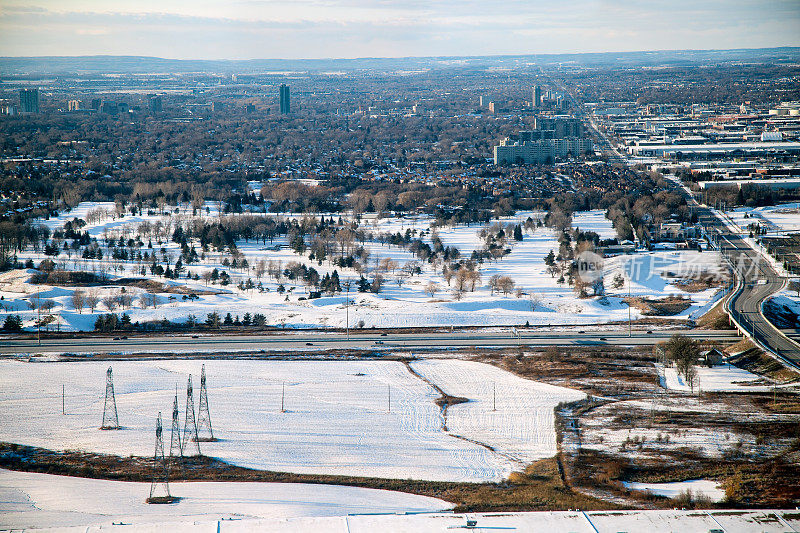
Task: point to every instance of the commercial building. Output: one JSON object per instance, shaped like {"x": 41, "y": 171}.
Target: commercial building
{"x": 715, "y": 151}
{"x": 73, "y": 105}
{"x": 285, "y": 107}
{"x": 29, "y": 100}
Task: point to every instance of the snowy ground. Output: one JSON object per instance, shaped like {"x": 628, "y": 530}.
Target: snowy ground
{"x": 511, "y": 414}
{"x": 783, "y": 217}
{"x": 595, "y": 221}
{"x": 787, "y": 302}
{"x": 338, "y": 419}
{"x": 30, "y": 500}
{"x": 403, "y": 302}
{"x": 723, "y": 378}
{"x": 766, "y": 521}
{"x": 609, "y": 429}
{"x": 697, "y": 487}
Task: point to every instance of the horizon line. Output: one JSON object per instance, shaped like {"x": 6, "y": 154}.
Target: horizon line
{"x": 790, "y": 47}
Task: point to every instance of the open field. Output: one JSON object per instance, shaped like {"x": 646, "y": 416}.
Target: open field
{"x": 743, "y": 438}
{"x": 42, "y": 500}
{"x": 375, "y": 415}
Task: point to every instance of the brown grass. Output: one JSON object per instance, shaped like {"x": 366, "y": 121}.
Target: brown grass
{"x": 669, "y": 306}
{"x": 538, "y": 488}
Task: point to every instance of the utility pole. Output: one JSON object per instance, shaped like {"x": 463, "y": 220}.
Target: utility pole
{"x": 494, "y": 396}
{"x": 390, "y": 398}
{"x": 63, "y": 399}
{"x": 630, "y": 323}
{"x": 347, "y": 308}
{"x": 283, "y": 394}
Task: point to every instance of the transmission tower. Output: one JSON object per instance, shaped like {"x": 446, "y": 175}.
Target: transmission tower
{"x": 203, "y": 416}
{"x": 110, "y": 418}
{"x": 175, "y": 438}
{"x": 190, "y": 422}
{"x": 160, "y": 469}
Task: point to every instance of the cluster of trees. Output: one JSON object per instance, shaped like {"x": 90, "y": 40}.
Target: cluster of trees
{"x": 683, "y": 352}
{"x": 110, "y": 322}
{"x": 731, "y": 83}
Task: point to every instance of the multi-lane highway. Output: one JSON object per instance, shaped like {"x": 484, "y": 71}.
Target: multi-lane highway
{"x": 755, "y": 277}
{"x": 756, "y": 280}
{"x": 308, "y": 341}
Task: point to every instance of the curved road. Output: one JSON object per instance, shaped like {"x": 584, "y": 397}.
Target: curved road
{"x": 756, "y": 282}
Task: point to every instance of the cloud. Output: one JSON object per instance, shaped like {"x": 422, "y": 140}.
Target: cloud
{"x": 356, "y": 28}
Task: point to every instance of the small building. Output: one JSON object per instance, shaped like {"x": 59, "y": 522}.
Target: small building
{"x": 713, "y": 357}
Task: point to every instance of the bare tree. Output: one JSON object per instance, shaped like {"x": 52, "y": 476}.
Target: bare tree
{"x": 125, "y": 300}
{"x": 92, "y": 298}
{"x": 494, "y": 283}
{"x": 690, "y": 375}
{"x": 534, "y": 301}
{"x": 431, "y": 288}
{"x": 78, "y": 300}
{"x": 505, "y": 284}
{"x": 473, "y": 277}
{"x": 261, "y": 268}
{"x": 148, "y": 299}
{"x": 110, "y": 302}
{"x": 47, "y": 305}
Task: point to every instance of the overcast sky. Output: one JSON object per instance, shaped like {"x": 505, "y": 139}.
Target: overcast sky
{"x": 249, "y": 29}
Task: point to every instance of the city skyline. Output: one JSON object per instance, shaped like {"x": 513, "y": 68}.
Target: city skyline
{"x": 253, "y": 29}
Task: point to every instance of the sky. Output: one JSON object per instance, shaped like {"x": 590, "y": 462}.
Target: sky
{"x": 266, "y": 29}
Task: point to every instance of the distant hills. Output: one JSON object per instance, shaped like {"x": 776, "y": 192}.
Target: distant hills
{"x": 59, "y": 65}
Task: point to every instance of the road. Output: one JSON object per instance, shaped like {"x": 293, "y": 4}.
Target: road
{"x": 299, "y": 341}
{"x": 757, "y": 280}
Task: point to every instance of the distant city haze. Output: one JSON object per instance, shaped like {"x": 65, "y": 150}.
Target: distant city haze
{"x": 248, "y": 29}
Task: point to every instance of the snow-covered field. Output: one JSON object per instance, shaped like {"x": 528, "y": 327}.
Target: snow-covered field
{"x": 30, "y": 500}
{"x": 697, "y": 487}
{"x": 595, "y": 221}
{"x": 403, "y": 301}
{"x": 51, "y": 504}
{"x": 715, "y": 379}
{"x": 783, "y": 217}
{"x": 338, "y": 418}
{"x": 511, "y": 414}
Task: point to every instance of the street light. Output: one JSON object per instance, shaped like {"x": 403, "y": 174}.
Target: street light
{"x": 347, "y": 308}
{"x": 630, "y": 323}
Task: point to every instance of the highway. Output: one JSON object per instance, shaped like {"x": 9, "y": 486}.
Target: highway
{"x": 756, "y": 281}
{"x": 308, "y": 341}
{"x": 755, "y": 277}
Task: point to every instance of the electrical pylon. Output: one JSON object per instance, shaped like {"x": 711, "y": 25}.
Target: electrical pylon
{"x": 110, "y": 418}
{"x": 160, "y": 469}
{"x": 190, "y": 422}
{"x": 203, "y": 416}
{"x": 175, "y": 438}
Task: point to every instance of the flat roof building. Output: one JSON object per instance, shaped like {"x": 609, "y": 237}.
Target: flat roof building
{"x": 29, "y": 100}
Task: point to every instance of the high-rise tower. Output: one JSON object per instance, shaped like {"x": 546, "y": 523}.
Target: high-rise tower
{"x": 29, "y": 100}
{"x": 284, "y": 100}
